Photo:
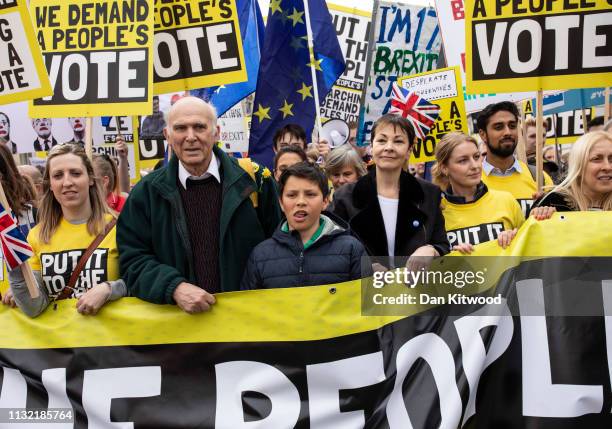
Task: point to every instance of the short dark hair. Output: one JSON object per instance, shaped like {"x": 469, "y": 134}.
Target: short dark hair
{"x": 397, "y": 121}
{"x": 290, "y": 149}
{"x": 503, "y": 106}
{"x": 353, "y": 125}
{"x": 595, "y": 122}
{"x": 293, "y": 129}
{"x": 308, "y": 171}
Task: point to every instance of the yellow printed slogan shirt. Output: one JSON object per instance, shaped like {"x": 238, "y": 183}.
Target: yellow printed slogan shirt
{"x": 519, "y": 183}
{"x": 56, "y": 260}
{"x": 481, "y": 220}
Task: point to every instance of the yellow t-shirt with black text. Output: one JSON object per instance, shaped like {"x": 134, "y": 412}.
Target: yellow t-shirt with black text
{"x": 521, "y": 185}
{"x": 481, "y": 220}
{"x": 56, "y": 260}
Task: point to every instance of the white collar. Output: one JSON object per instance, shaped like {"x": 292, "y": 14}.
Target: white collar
{"x": 213, "y": 170}
{"x": 488, "y": 168}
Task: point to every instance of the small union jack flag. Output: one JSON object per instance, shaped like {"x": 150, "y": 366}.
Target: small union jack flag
{"x": 15, "y": 247}
{"x": 421, "y": 113}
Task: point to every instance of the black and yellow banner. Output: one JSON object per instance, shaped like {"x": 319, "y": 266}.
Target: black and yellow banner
{"x": 526, "y": 46}
{"x": 22, "y": 72}
{"x": 98, "y": 55}
{"x": 307, "y": 357}
{"x": 197, "y": 45}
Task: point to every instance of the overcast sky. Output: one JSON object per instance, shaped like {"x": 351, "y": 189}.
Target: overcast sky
{"x": 360, "y": 4}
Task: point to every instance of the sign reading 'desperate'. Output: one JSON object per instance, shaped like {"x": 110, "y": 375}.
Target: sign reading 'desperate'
{"x": 442, "y": 87}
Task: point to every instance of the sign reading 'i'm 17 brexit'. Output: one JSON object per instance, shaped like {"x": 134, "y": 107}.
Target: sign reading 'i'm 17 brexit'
{"x": 534, "y": 45}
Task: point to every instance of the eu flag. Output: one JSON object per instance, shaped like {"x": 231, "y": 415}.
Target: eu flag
{"x": 284, "y": 87}
{"x": 224, "y": 97}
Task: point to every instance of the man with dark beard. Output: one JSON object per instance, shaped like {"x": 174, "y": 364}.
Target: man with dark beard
{"x": 498, "y": 128}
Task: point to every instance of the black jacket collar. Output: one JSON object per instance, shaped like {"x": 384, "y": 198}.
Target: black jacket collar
{"x": 368, "y": 223}
{"x": 365, "y": 192}
{"x": 481, "y": 191}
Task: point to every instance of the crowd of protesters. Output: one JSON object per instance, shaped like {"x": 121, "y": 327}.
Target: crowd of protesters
{"x": 208, "y": 223}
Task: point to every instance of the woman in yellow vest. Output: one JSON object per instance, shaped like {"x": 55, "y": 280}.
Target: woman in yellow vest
{"x": 473, "y": 213}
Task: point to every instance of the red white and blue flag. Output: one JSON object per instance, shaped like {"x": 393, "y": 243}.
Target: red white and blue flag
{"x": 15, "y": 247}
{"x": 421, "y": 113}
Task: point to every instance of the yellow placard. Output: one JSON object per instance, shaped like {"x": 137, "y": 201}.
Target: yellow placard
{"x": 98, "y": 54}
{"x": 23, "y": 75}
{"x": 527, "y": 46}
{"x": 147, "y": 153}
{"x": 197, "y": 45}
{"x": 444, "y": 88}
{"x": 563, "y": 127}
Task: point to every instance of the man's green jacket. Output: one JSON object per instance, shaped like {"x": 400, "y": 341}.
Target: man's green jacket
{"x": 155, "y": 253}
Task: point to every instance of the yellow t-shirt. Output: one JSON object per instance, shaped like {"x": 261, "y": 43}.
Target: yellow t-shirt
{"x": 481, "y": 220}
{"x": 57, "y": 259}
{"x": 521, "y": 185}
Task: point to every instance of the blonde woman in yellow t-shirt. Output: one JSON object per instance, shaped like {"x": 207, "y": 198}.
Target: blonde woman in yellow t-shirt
{"x": 472, "y": 213}
{"x": 72, "y": 213}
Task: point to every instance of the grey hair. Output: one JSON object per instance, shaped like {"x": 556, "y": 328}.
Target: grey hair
{"x": 344, "y": 156}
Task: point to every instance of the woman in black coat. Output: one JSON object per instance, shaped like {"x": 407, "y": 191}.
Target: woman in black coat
{"x": 393, "y": 213}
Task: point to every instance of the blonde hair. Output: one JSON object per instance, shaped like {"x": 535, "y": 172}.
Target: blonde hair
{"x": 572, "y": 188}
{"x": 444, "y": 150}
{"x": 344, "y": 156}
{"x": 312, "y": 152}
{"x": 50, "y": 211}
{"x": 529, "y": 122}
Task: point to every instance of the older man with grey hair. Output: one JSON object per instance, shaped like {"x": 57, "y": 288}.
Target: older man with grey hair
{"x": 187, "y": 230}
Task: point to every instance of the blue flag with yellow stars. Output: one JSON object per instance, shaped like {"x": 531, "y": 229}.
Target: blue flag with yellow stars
{"x": 284, "y": 92}
{"x": 224, "y": 97}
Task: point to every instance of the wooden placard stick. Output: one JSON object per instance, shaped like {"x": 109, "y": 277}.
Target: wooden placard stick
{"x": 607, "y": 112}
{"x": 539, "y": 142}
{"x": 89, "y": 137}
{"x": 521, "y": 151}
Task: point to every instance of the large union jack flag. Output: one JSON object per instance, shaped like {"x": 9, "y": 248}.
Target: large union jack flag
{"x": 421, "y": 113}
{"x": 15, "y": 247}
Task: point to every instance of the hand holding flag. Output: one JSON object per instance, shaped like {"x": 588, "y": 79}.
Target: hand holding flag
{"x": 15, "y": 247}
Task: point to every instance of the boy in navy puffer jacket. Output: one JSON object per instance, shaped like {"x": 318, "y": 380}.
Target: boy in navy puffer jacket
{"x": 309, "y": 248}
